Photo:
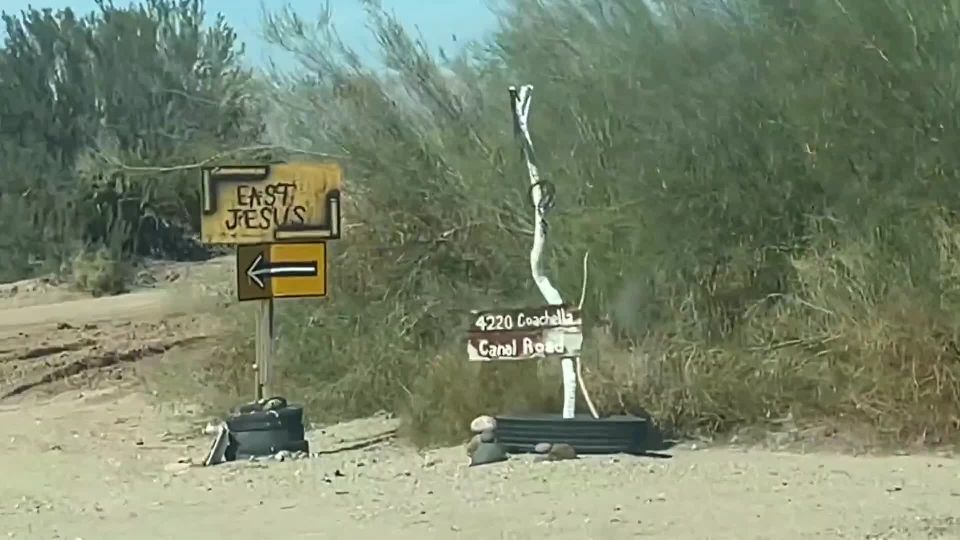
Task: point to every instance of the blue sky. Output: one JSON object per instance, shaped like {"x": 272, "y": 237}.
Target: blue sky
{"x": 437, "y": 20}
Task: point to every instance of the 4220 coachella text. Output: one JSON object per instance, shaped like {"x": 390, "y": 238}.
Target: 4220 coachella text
{"x": 518, "y": 320}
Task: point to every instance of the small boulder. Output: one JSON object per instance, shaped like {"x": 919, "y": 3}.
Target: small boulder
{"x": 488, "y": 452}
{"x": 473, "y": 444}
{"x": 483, "y": 423}
{"x": 555, "y": 452}
{"x": 542, "y": 448}
{"x": 561, "y": 451}
{"x": 479, "y": 441}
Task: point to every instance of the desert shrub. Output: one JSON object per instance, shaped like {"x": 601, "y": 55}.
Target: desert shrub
{"x": 100, "y": 273}
{"x": 766, "y": 189}
{"x": 88, "y": 144}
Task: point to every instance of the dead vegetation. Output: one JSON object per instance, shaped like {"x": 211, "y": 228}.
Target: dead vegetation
{"x": 768, "y": 195}
{"x": 762, "y": 247}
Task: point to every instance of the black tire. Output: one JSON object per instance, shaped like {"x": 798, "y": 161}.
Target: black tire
{"x": 587, "y": 435}
{"x": 266, "y": 420}
{"x": 259, "y": 405}
{"x": 261, "y": 433}
{"x": 263, "y": 443}
{"x": 265, "y": 438}
{"x": 294, "y": 446}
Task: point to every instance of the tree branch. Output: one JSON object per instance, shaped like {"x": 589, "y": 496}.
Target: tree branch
{"x": 220, "y": 155}
{"x": 520, "y": 100}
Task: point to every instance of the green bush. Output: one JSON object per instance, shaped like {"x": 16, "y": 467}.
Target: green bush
{"x": 766, "y": 190}
{"x": 88, "y": 144}
{"x": 100, "y": 272}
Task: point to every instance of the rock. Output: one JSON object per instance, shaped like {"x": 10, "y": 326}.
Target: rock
{"x": 483, "y": 423}
{"x": 473, "y": 444}
{"x": 478, "y": 441}
{"x": 488, "y": 452}
{"x": 560, "y": 452}
{"x": 542, "y": 448}
{"x": 273, "y": 404}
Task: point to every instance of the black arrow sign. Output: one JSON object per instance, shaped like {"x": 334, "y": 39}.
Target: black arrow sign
{"x": 260, "y": 271}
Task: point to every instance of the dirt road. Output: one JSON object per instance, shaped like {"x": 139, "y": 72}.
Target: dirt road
{"x": 101, "y": 461}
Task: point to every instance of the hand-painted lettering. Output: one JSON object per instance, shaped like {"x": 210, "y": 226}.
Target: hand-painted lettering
{"x": 265, "y": 207}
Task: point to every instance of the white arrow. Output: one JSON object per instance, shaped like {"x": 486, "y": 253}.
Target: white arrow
{"x": 258, "y": 269}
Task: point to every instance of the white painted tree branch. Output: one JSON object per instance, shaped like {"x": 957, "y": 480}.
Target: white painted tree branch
{"x": 520, "y": 103}
{"x": 583, "y": 296}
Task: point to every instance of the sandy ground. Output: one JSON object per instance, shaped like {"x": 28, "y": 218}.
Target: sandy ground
{"x": 87, "y": 454}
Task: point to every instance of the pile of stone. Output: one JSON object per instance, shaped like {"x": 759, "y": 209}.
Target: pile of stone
{"x": 483, "y": 447}
{"x": 554, "y": 452}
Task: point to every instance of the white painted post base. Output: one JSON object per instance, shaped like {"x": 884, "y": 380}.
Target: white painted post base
{"x": 569, "y": 387}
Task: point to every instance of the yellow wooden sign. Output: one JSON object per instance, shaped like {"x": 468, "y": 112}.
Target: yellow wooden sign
{"x": 285, "y": 270}
{"x": 286, "y": 202}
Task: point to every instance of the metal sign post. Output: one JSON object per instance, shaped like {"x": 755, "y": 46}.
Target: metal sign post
{"x": 264, "y": 348}
{"x": 279, "y": 217}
